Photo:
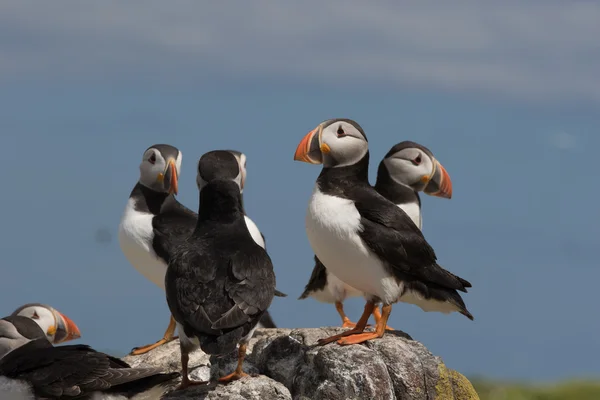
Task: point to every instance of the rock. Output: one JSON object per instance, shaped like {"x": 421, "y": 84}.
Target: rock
{"x": 287, "y": 364}
{"x": 256, "y": 388}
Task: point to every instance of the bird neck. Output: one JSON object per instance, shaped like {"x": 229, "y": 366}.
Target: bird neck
{"x": 220, "y": 201}
{"x": 357, "y": 173}
{"x": 148, "y": 200}
{"x": 395, "y": 192}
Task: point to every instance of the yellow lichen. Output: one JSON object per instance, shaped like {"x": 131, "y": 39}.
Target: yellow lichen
{"x": 452, "y": 385}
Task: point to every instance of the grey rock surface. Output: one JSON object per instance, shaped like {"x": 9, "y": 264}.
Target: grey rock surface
{"x": 287, "y": 364}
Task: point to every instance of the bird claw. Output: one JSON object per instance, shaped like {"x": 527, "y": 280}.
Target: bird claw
{"x": 136, "y": 351}
{"x": 349, "y": 324}
{"x": 357, "y": 338}
{"x": 234, "y": 376}
{"x": 352, "y": 325}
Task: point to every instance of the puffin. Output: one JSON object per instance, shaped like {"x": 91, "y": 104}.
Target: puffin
{"x": 70, "y": 371}
{"x": 366, "y": 240}
{"x": 153, "y": 209}
{"x": 219, "y": 282}
{"x": 399, "y": 179}
{"x": 58, "y": 327}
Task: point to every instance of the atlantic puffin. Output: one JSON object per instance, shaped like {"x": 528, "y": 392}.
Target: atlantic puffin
{"x": 58, "y": 327}
{"x": 70, "y": 371}
{"x": 152, "y": 208}
{"x": 366, "y": 240}
{"x": 399, "y": 179}
{"x": 219, "y": 282}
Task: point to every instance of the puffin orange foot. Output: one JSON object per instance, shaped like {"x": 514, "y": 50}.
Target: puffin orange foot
{"x": 349, "y": 324}
{"x": 333, "y": 338}
{"x": 389, "y": 328}
{"x": 136, "y": 351}
{"x": 358, "y": 338}
{"x": 234, "y": 376}
{"x": 185, "y": 383}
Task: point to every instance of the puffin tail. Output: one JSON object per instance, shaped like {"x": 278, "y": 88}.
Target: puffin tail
{"x": 266, "y": 321}
{"x": 222, "y": 344}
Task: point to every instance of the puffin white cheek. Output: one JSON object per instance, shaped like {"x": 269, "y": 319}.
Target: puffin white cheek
{"x": 178, "y": 163}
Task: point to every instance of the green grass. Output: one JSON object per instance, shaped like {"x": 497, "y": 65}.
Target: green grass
{"x": 568, "y": 390}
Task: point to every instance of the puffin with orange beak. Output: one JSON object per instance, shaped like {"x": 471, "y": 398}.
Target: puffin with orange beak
{"x": 154, "y": 222}
{"x": 58, "y": 327}
{"x": 366, "y": 240}
{"x": 407, "y": 169}
{"x": 30, "y": 365}
{"x": 155, "y": 190}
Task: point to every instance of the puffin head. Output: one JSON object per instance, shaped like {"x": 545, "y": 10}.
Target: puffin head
{"x": 57, "y": 327}
{"x": 334, "y": 143}
{"x": 222, "y": 165}
{"x": 160, "y": 167}
{"x": 411, "y": 164}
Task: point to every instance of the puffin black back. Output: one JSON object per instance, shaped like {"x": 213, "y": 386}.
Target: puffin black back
{"x": 220, "y": 200}
{"x": 220, "y": 281}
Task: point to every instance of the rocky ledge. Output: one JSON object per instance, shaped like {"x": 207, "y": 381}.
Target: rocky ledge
{"x": 287, "y": 364}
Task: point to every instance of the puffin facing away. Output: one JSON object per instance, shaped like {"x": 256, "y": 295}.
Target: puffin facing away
{"x": 72, "y": 371}
{"x": 152, "y": 211}
{"x": 400, "y": 178}
{"x": 366, "y": 240}
{"x": 220, "y": 281}
{"x": 58, "y": 327}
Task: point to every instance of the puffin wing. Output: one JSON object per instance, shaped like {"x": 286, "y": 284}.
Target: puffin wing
{"x": 390, "y": 233}
{"x": 67, "y": 370}
{"x": 189, "y": 282}
{"x": 171, "y": 226}
{"x": 55, "y": 371}
{"x": 250, "y": 284}
{"x": 317, "y": 280}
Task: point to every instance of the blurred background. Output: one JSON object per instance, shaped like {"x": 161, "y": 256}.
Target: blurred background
{"x": 506, "y": 95}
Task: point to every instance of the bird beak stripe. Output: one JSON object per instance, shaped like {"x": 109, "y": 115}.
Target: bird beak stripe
{"x": 173, "y": 179}
{"x": 439, "y": 183}
{"x": 67, "y": 327}
{"x": 309, "y": 149}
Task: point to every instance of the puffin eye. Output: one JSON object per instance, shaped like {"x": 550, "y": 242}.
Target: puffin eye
{"x": 35, "y": 315}
{"x": 340, "y": 131}
{"x": 417, "y": 160}
{"x": 152, "y": 158}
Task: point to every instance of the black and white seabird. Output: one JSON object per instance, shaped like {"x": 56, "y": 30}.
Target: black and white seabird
{"x": 220, "y": 281}
{"x": 399, "y": 179}
{"x": 365, "y": 239}
{"x": 58, "y": 327}
{"x": 71, "y": 371}
{"x": 152, "y": 208}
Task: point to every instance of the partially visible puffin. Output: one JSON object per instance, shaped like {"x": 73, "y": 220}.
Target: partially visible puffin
{"x": 152, "y": 209}
{"x": 366, "y": 240}
{"x": 220, "y": 281}
{"x": 71, "y": 371}
{"x": 58, "y": 327}
{"x": 399, "y": 179}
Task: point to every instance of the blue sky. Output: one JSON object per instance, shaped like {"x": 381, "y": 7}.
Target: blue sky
{"x": 506, "y": 96}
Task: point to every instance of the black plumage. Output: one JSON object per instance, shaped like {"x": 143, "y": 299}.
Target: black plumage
{"x": 391, "y": 235}
{"x": 171, "y": 221}
{"x": 317, "y": 280}
{"x": 219, "y": 282}
{"x": 74, "y": 371}
{"x": 361, "y": 235}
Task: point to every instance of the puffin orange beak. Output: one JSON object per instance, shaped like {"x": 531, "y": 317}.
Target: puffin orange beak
{"x": 66, "y": 329}
{"x": 169, "y": 178}
{"x": 439, "y": 184}
{"x": 309, "y": 150}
